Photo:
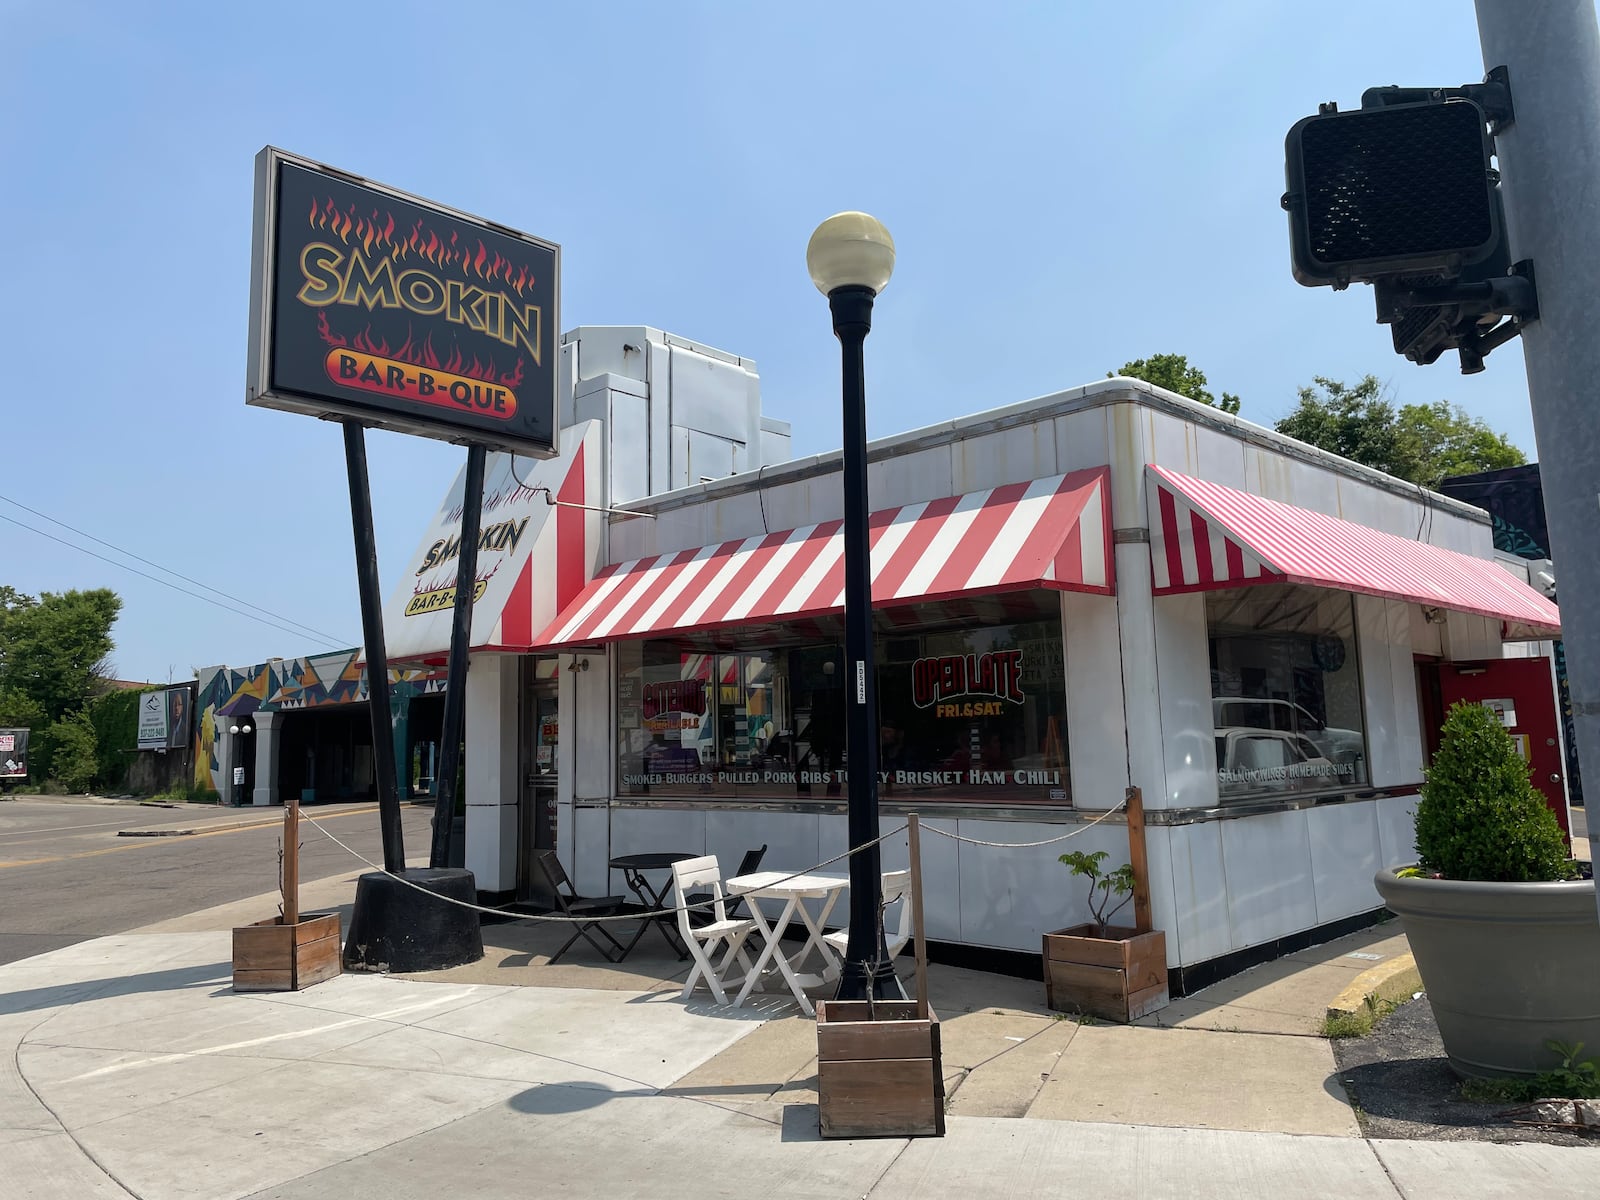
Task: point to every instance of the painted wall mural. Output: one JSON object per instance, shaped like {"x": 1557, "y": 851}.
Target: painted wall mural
{"x": 290, "y": 684}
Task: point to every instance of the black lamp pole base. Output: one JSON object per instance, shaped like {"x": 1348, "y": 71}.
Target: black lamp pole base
{"x": 396, "y": 928}
{"x": 858, "y": 980}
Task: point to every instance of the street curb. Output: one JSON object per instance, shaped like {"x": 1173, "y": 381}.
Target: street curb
{"x": 1392, "y": 980}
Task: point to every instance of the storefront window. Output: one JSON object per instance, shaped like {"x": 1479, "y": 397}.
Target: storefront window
{"x": 1286, "y": 692}
{"x": 964, "y": 714}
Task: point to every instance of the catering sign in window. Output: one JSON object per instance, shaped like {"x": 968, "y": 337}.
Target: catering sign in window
{"x": 371, "y": 304}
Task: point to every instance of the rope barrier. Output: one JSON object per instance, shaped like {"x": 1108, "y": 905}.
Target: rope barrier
{"x": 560, "y": 918}
{"x": 1085, "y": 827}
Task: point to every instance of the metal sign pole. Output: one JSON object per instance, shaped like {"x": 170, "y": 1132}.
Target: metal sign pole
{"x": 455, "y": 683}
{"x": 355, "y": 457}
{"x": 1549, "y": 156}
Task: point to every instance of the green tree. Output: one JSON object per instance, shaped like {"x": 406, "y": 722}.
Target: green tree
{"x": 54, "y": 650}
{"x": 1446, "y": 441}
{"x": 1422, "y": 443}
{"x": 1173, "y": 372}
{"x": 18, "y": 711}
{"x": 73, "y": 758}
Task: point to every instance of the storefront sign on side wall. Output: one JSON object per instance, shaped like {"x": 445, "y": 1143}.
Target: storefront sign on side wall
{"x": 534, "y": 556}
{"x": 370, "y": 304}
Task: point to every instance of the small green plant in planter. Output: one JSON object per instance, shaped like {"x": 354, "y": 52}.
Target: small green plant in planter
{"x": 1480, "y": 816}
{"x": 1100, "y": 969}
{"x": 1118, "y": 882}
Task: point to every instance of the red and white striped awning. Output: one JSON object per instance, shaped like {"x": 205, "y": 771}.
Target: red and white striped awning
{"x": 1047, "y": 533}
{"x": 1205, "y": 536}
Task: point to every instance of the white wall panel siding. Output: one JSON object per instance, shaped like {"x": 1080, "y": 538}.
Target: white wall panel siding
{"x": 1468, "y": 636}
{"x": 1268, "y": 863}
{"x": 1219, "y": 458}
{"x": 1199, "y": 892}
{"x": 1083, "y": 439}
{"x": 589, "y": 709}
{"x": 1141, "y": 705}
{"x": 657, "y": 369}
{"x": 1184, "y": 688}
{"x": 905, "y": 479}
{"x": 792, "y": 505}
{"x": 1170, "y": 442}
{"x": 492, "y": 783}
{"x": 591, "y": 850}
{"x": 1426, "y": 636}
{"x": 941, "y": 875}
{"x": 1407, "y": 705}
{"x": 491, "y": 853}
{"x": 1385, "y": 755}
{"x": 628, "y": 428}
{"x": 790, "y": 839}
{"x": 735, "y": 518}
{"x": 677, "y": 529}
{"x": 1163, "y": 911}
{"x": 1397, "y": 833}
{"x": 1346, "y": 852}
{"x": 1012, "y": 897}
{"x": 654, "y": 831}
{"x": 1007, "y": 456}
{"x": 1097, "y": 729}
{"x": 1130, "y": 451}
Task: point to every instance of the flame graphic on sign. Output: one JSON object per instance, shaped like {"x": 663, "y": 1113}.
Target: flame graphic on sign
{"x": 376, "y": 229}
{"x": 422, "y": 354}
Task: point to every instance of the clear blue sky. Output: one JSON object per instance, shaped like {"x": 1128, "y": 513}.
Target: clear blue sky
{"x": 1069, "y": 186}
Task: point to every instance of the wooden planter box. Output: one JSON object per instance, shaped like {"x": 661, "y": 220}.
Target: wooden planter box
{"x": 878, "y": 1078}
{"x": 1121, "y": 977}
{"x": 270, "y": 956}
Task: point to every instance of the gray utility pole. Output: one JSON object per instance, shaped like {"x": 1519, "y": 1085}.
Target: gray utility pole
{"x": 1550, "y": 167}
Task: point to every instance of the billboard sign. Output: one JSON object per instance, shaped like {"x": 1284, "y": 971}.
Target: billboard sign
{"x": 13, "y": 753}
{"x": 370, "y": 304}
{"x": 179, "y": 705}
{"x": 153, "y": 721}
{"x": 164, "y": 719}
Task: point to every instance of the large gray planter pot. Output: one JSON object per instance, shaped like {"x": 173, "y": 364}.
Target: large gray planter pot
{"x": 1507, "y": 967}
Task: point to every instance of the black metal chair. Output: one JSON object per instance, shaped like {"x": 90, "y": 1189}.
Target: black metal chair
{"x": 573, "y": 905}
{"x": 702, "y": 916}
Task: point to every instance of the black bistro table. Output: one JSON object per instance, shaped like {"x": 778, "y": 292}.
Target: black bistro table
{"x": 652, "y": 897}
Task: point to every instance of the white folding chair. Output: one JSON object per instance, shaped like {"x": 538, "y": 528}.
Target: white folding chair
{"x": 704, "y": 875}
{"x": 896, "y": 885}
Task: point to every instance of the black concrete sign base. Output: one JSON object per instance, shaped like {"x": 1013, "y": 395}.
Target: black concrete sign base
{"x": 397, "y": 928}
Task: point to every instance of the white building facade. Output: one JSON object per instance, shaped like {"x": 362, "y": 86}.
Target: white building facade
{"x": 1105, "y": 588}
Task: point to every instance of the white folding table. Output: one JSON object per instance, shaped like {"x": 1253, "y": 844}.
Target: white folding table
{"x": 771, "y": 885}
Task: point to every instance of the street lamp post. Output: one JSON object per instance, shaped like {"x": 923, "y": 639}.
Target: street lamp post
{"x": 851, "y": 257}
{"x": 239, "y": 782}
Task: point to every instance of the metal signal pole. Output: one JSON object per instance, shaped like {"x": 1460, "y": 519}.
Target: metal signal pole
{"x": 1550, "y": 181}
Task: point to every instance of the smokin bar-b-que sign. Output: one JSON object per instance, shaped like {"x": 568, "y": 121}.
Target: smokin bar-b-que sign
{"x": 370, "y": 304}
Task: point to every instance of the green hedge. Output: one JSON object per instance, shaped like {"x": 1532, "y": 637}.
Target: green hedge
{"x": 115, "y": 717}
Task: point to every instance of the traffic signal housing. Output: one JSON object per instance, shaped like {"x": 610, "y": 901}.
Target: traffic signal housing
{"x": 1402, "y": 189}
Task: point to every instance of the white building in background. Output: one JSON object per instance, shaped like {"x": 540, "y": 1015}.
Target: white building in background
{"x": 1105, "y": 588}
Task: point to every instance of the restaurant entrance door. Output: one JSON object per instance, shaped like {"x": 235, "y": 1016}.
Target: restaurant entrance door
{"x": 536, "y": 811}
{"x": 1521, "y": 692}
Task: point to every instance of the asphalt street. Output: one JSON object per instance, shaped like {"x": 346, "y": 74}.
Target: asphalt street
{"x": 66, "y": 875}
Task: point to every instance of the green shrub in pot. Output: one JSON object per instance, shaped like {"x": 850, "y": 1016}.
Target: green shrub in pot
{"x": 1506, "y": 937}
{"x": 1480, "y": 817}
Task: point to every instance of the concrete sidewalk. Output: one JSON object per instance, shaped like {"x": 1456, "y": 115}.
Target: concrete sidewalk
{"x": 129, "y": 1067}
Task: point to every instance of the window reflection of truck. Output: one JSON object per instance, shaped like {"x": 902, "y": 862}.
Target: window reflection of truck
{"x": 1283, "y": 716}
{"x": 1255, "y": 759}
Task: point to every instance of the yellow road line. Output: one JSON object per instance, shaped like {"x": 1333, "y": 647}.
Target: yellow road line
{"x": 146, "y": 843}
